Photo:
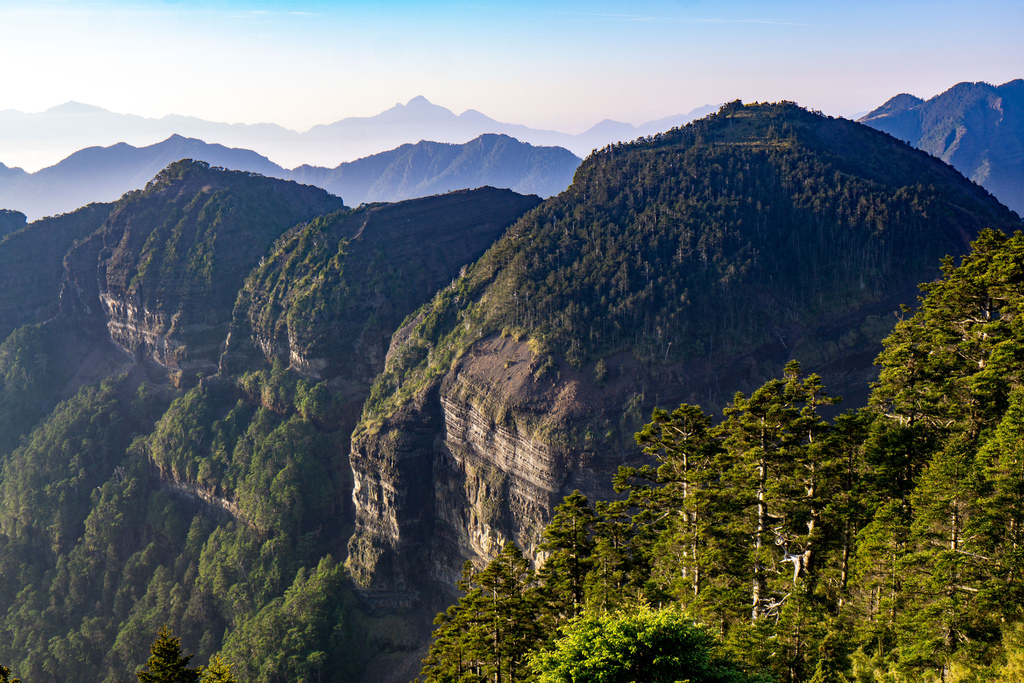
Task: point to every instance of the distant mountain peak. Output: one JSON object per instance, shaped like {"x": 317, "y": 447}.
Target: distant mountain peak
{"x": 973, "y": 126}
{"x": 73, "y": 107}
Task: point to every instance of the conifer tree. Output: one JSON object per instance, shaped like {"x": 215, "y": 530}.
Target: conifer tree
{"x": 758, "y": 437}
{"x": 568, "y": 540}
{"x": 166, "y": 663}
{"x": 217, "y": 671}
{"x": 680, "y": 502}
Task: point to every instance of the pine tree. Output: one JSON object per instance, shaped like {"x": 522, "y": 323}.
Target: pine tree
{"x": 679, "y": 505}
{"x": 510, "y": 611}
{"x": 568, "y": 540}
{"x": 4, "y": 675}
{"x": 758, "y": 437}
{"x": 217, "y": 671}
{"x": 166, "y": 662}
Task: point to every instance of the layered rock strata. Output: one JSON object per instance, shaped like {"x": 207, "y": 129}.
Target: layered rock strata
{"x": 175, "y": 255}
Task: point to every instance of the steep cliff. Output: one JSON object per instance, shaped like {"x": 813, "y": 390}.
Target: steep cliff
{"x": 170, "y": 259}
{"x": 189, "y": 400}
{"x": 682, "y": 267}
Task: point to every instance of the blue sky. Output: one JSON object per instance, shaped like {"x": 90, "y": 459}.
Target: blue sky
{"x": 562, "y": 65}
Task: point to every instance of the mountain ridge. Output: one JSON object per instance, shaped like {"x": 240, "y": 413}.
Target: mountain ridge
{"x": 681, "y": 267}
{"x": 98, "y": 174}
{"x": 38, "y": 140}
{"x": 978, "y": 128}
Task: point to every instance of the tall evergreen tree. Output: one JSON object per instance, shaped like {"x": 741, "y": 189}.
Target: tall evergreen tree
{"x": 569, "y": 544}
{"x": 166, "y": 662}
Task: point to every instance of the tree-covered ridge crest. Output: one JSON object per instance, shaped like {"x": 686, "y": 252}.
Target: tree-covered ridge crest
{"x": 747, "y": 229}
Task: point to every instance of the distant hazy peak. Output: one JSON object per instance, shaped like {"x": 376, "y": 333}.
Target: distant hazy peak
{"x": 75, "y": 108}
{"x": 976, "y": 127}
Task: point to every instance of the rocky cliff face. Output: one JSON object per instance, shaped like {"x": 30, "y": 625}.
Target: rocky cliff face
{"x": 481, "y": 455}
{"x": 174, "y": 256}
{"x": 646, "y": 284}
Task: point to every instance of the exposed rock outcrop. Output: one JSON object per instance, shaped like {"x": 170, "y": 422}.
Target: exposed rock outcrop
{"x": 680, "y": 268}
{"x": 175, "y": 255}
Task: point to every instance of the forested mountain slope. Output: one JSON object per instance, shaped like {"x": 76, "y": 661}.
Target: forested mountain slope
{"x": 975, "y": 127}
{"x": 680, "y": 267}
{"x": 425, "y": 168}
{"x": 233, "y": 406}
{"x": 880, "y": 546}
{"x": 139, "y": 485}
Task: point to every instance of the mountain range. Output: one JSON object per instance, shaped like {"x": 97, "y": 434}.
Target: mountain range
{"x": 40, "y": 139}
{"x": 279, "y": 425}
{"x": 231, "y": 404}
{"x": 977, "y": 128}
{"x": 102, "y": 174}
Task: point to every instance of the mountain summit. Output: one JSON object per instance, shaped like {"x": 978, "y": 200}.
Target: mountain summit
{"x": 977, "y": 128}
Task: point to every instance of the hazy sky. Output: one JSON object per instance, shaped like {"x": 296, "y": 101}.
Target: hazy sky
{"x": 548, "y": 64}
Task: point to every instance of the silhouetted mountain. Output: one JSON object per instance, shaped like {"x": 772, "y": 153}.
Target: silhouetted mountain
{"x": 105, "y": 173}
{"x": 975, "y": 127}
{"x": 428, "y": 168}
{"x": 102, "y": 174}
{"x": 36, "y": 140}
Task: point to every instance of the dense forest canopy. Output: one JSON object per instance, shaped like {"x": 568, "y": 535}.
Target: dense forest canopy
{"x": 759, "y": 225}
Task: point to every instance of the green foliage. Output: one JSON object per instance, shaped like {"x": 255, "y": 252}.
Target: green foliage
{"x": 217, "y": 671}
{"x": 32, "y": 264}
{"x": 641, "y": 645}
{"x": 296, "y": 637}
{"x": 493, "y": 628}
{"x": 166, "y": 663}
{"x": 102, "y": 553}
{"x": 5, "y": 674}
{"x": 569, "y": 544}
{"x": 28, "y": 378}
{"x": 46, "y": 484}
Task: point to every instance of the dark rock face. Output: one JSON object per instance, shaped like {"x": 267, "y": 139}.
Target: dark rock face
{"x": 490, "y": 424}
{"x": 975, "y": 127}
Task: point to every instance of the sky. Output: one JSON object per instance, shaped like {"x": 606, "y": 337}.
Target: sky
{"x": 543, "y": 63}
